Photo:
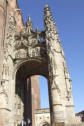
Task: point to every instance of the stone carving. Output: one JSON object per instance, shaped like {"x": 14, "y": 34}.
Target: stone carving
{"x": 31, "y": 42}
{"x": 52, "y": 72}
{"x": 10, "y": 37}
{"x": 21, "y": 53}
{"x": 68, "y": 82}
{"x": 3, "y": 94}
{"x": 4, "y": 86}
{"x": 29, "y": 25}
{"x": 3, "y": 100}
{"x": 5, "y": 69}
{"x": 11, "y": 30}
{"x": 56, "y": 87}
{"x": 69, "y": 94}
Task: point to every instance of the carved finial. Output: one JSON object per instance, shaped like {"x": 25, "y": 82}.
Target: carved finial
{"x": 37, "y": 30}
{"x": 29, "y": 25}
{"x": 37, "y": 33}
{"x": 29, "y": 19}
{"x": 29, "y": 22}
{"x": 47, "y": 11}
{"x": 48, "y": 19}
{"x": 47, "y": 6}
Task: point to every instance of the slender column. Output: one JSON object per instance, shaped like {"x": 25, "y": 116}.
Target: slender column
{"x": 56, "y": 63}
{"x": 35, "y": 95}
{"x": 2, "y": 36}
{"x": 27, "y": 101}
{"x": 2, "y": 27}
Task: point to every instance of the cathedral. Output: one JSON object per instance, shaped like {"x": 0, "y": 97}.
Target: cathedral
{"x": 25, "y": 54}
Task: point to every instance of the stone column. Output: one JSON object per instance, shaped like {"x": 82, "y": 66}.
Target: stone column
{"x": 35, "y": 96}
{"x": 7, "y": 84}
{"x": 69, "y": 106}
{"x": 2, "y": 29}
{"x": 2, "y": 36}
{"x": 56, "y": 61}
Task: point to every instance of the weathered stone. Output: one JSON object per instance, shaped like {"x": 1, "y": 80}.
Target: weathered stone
{"x": 25, "y": 52}
{"x": 42, "y": 117}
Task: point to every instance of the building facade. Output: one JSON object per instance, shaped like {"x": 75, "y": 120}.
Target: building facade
{"x": 80, "y": 116}
{"x": 42, "y": 117}
{"x": 25, "y": 52}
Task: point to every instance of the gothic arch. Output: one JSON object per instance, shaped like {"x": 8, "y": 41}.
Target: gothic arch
{"x": 24, "y": 70}
{"x": 33, "y": 67}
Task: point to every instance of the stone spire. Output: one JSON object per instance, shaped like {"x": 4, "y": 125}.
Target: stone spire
{"x": 48, "y": 19}
{"x": 58, "y": 72}
{"x": 29, "y": 25}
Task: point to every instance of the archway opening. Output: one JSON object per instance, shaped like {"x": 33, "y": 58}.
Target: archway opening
{"x": 42, "y": 114}
{"x": 31, "y": 92}
{"x": 40, "y": 100}
{"x": 32, "y": 98}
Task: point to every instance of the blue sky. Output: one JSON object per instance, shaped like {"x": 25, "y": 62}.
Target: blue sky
{"x": 69, "y": 18}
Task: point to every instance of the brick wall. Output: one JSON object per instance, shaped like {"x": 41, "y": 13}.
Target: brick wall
{"x": 35, "y": 96}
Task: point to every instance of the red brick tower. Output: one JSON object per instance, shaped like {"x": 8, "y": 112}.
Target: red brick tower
{"x": 35, "y": 96}
{"x": 32, "y": 98}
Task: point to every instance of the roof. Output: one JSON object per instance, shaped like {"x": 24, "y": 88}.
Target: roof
{"x": 80, "y": 113}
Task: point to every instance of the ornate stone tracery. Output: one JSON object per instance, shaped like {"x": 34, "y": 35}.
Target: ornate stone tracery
{"x": 31, "y": 43}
